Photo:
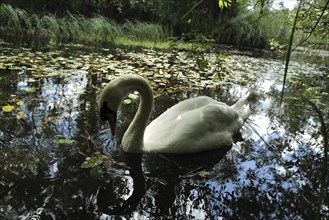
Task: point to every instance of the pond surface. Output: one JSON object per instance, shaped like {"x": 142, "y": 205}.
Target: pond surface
{"x": 58, "y": 161}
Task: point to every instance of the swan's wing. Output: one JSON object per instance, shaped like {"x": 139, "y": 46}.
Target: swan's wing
{"x": 199, "y": 129}
{"x": 188, "y": 105}
{"x": 242, "y": 107}
{"x": 185, "y": 109}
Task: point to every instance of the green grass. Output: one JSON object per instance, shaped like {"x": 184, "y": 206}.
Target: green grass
{"x": 145, "y": 31}
{"x": 75, "y": 28}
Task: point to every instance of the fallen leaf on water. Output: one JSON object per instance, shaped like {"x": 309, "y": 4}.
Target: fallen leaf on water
{"x": 133, "y": 96}
{"x": 127, "y": 101}
{"x": 162, "y": 181}
{"x": 64, "y": 141}
{"x": 96, "y": 172}
{"x": 53, "y": 118}
{"x": 27, "y": 89}
{"x": 91, "y": 162}
{"x": 31, "y": 80}
{"x": 203, "y": 173}
{"x": 20, "y": 115}
{"x": 18, "y": 102}
{"x": 8, "y": 108}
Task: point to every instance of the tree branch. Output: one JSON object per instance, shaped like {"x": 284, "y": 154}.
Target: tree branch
{"x": 313, "y": 29}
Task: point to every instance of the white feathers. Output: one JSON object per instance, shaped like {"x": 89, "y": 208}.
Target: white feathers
{"x": 193, "y": 125}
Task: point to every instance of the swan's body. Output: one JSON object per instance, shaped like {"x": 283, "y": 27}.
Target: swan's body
{"x": 193, "y": 125}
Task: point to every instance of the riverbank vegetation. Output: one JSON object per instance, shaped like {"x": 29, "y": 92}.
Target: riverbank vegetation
{"x": 95, "y": 30}
{"x": 239, "y": 23}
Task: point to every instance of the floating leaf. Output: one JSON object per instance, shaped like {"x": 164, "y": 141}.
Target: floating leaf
{"x": 20, "y": 115}
{"x": 53, "y": 118}
{"x": 31, "y": 80}
{"x": 8, "y": 108}
{"x": 130, "y": 99}
{"x": 132, "y": 96}
{"x": 19, "y": 102}
{"x": 64, "y": 141}
{"x": 127, "y": 101}
{"x": 27, "y": 89}
{"x": 91, "y": 162}
{"x": 48, "y": 88}
{"x": 162, "y": 181}
{"x": 96, "y": 172}
{"x": 203, "y": 173}
{"x": 170, "y": 90}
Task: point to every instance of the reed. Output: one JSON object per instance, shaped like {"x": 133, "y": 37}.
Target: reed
{"x": 145, "y": 31}
{"x": 100, "y": 29}
{"x": 11, "y": 17}
{"x": 49, "y": 26}
{"x": 96, "y": 30}
{"x": 75, "y": 24}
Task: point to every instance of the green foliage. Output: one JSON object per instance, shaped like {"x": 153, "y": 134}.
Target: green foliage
{"x": 201, "y": 44}
{"x": 313, "y": 23}
{"x": 276, "y": 47}
{"x": 242, "y": 23}
{"x": 224, "y": 3}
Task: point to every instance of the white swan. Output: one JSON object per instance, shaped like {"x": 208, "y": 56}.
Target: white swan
{"x": 194, "y": 125}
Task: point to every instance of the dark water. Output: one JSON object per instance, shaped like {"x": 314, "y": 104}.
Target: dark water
{"x": 273, "y": 174}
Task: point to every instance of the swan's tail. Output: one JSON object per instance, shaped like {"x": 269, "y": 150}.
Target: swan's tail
{"x": 242, "y": 106}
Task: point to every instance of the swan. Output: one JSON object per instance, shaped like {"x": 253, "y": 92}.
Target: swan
{"x": 193, "y": 125}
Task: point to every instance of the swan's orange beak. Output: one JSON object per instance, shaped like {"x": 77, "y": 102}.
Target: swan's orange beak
{"x": 109, "y": 115}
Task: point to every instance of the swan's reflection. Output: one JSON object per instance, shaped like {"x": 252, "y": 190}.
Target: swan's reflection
{"x": 153, "y": 182}
{"x": 123, "y": 193}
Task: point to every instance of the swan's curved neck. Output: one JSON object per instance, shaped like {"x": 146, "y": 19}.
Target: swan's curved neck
{"x": 133, "y": 138}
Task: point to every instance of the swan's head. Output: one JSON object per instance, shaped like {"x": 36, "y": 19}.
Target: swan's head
{"x": 109, "y": 103}
{"x": 115, "y": 92}
{"x": 107, "y": 114}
